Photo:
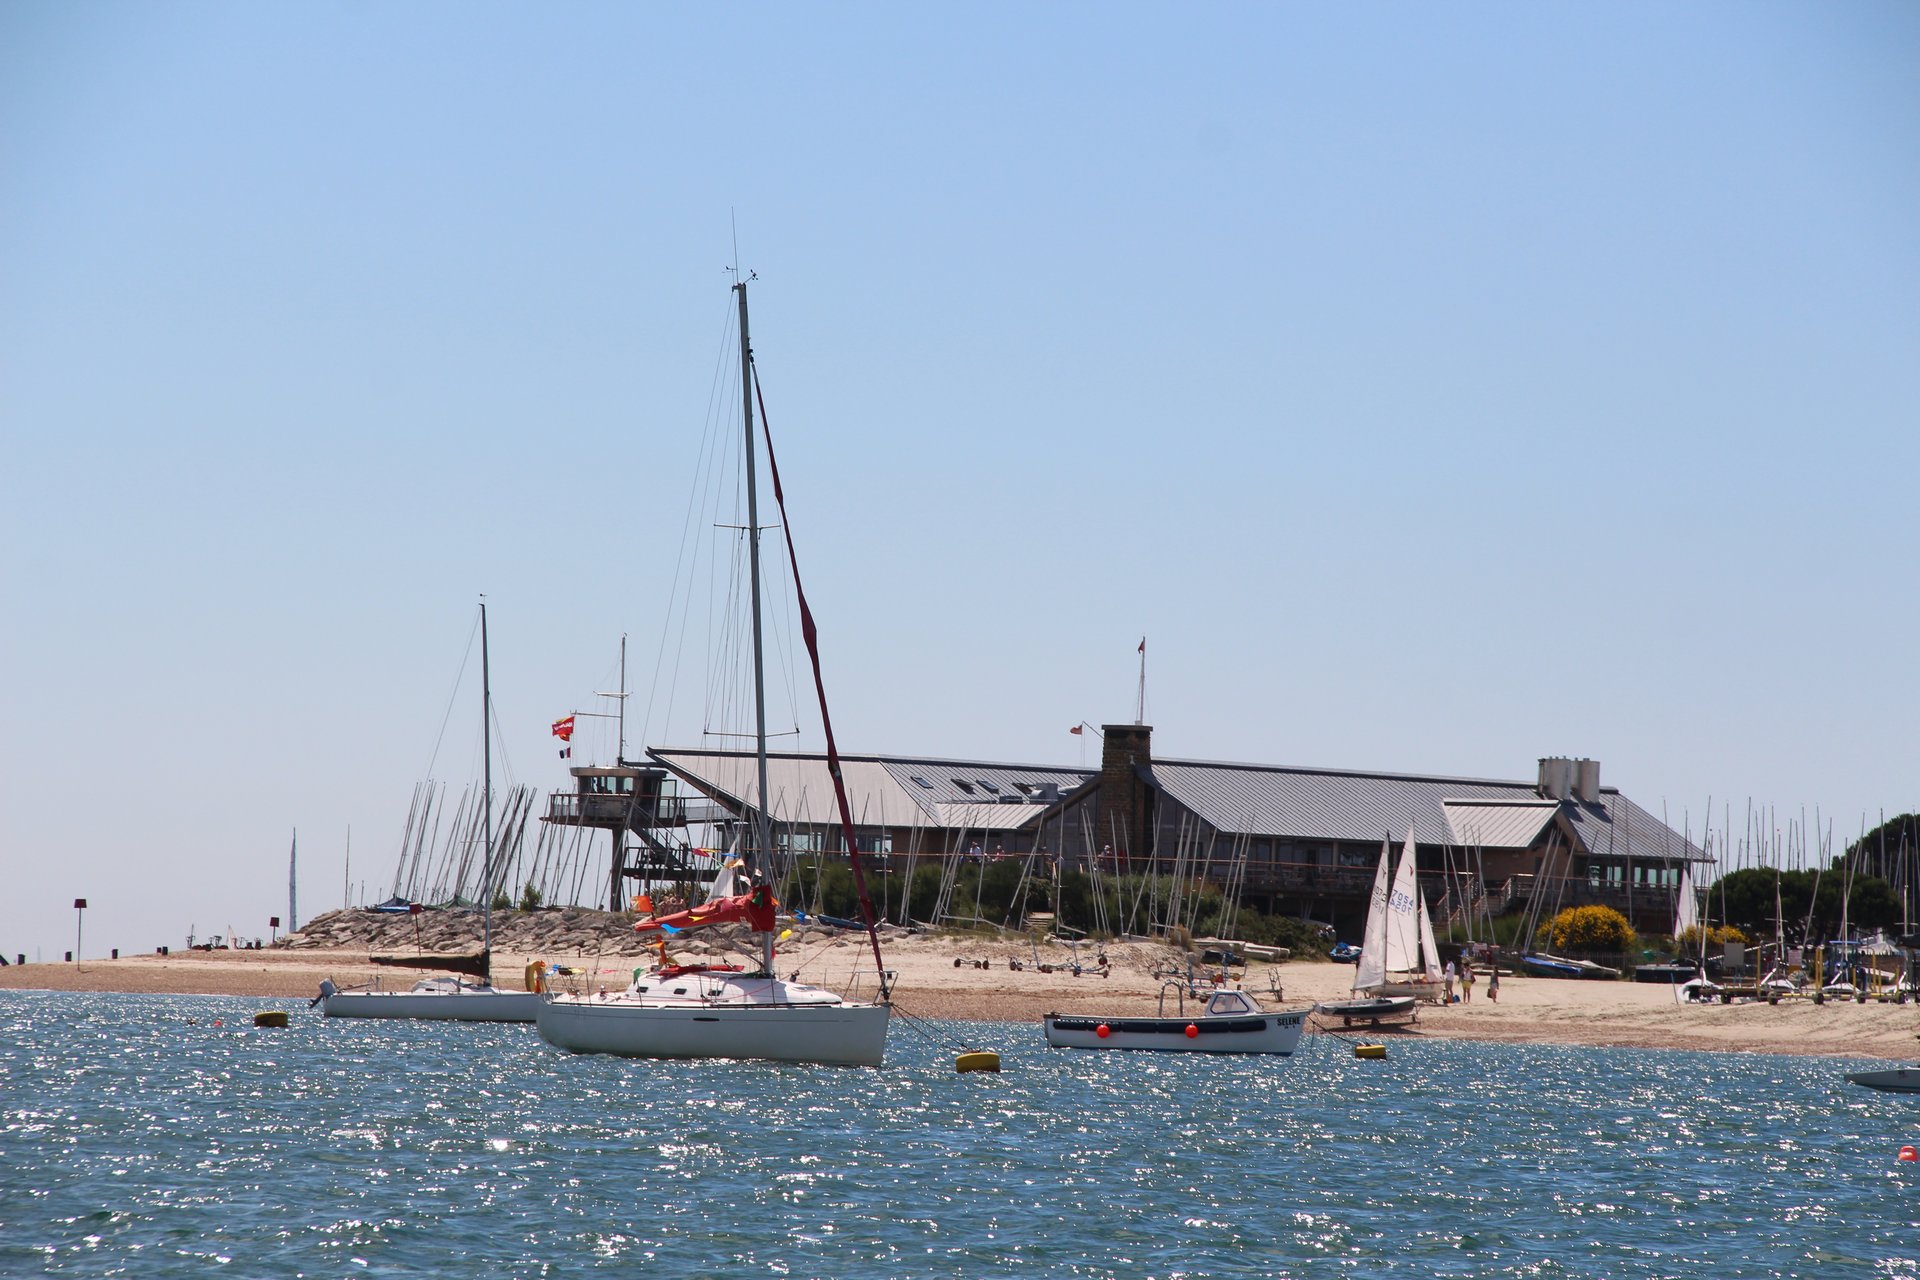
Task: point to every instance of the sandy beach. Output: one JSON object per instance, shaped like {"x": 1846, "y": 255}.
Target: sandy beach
{"x": 940, "y": 976}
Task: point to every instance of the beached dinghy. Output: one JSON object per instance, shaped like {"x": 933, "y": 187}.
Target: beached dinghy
{"x": 1369, "y": 1010}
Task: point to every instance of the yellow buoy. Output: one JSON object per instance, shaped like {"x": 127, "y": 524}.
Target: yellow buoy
{"x": 985, "y": 1060}
{"x": 271, "y": 1018}
{"x": 1369, "y": 1051}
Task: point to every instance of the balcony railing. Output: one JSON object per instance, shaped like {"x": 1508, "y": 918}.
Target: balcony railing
{"x": 572, "y": 807}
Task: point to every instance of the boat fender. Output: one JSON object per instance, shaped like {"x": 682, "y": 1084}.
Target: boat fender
{"x": 1192, "y": 1031}
{"x": 1103, "y": 1031}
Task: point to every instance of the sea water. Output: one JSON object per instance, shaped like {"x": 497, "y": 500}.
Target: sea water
{"x": 160, "y": 1136}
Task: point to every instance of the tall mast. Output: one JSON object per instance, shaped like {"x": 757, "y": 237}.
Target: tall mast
{"x": 486, "y": 797}
{"x": 293, "y": 863}
{"x": 763, "y": 834}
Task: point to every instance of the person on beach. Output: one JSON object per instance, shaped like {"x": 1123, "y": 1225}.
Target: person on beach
{"x": 1466, "y": 983}
{"x": 1493, "y": 985}
{"x": 1447, "y": 992}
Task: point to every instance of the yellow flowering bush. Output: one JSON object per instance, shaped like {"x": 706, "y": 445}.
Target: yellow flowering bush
{"x": 1590, "y": 929}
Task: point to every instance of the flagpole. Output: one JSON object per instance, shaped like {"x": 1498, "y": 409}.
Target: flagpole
{"x": 1140, "y": 712}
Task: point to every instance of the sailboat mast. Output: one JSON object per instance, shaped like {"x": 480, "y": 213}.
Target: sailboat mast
{"x": 486, "y": 797}
{"x": 293, "y": 865}
{"x": 763, "y": 834}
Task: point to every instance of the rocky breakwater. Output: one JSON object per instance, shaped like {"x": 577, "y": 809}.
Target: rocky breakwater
{"x": 452, "y": 930}
{"x": 549, "y": 932}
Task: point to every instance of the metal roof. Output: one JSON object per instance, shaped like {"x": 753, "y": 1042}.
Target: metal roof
{"x": 1618, "y": 826}
{"x": 1331, "y": 804}
{"x": 945, "y": 794}
{"x": 1322, "y": 804}
{"x": 1497, "y": 824}
{"x": 890, "y": 791}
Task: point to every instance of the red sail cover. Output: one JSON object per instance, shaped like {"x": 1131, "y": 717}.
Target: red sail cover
{"x": 756, "y": 908}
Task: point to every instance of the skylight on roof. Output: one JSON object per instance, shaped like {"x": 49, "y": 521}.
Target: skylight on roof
{"x": 923, "y": 782}
{"x": 987, "y": 786}
{"x": 963, "y": 785}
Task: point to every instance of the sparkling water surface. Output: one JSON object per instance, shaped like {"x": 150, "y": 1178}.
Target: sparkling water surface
{"x": 138, "y": 1138}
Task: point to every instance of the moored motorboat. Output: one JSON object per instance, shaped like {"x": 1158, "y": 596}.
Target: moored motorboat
{"x": 1230, "y": 1022}
{"x": 1889, "y": 1079}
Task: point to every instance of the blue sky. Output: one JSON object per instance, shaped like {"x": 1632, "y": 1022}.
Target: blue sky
{"x": 1436, "y": 387}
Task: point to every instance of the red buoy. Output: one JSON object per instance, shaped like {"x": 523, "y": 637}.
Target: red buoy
{"x": 1192, "y": 1031}
{"x": 1103, "y": 1031}
{"x": 1909, "y": 1154}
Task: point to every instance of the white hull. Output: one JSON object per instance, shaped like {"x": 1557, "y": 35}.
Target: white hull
{"x": 1892, "y": 1080}
{"x": 839, "y": 1034}
{"x": 448, "y": 1006}
{"x": 1368, "y": 1009}
{"x": 1247, "y": 1033}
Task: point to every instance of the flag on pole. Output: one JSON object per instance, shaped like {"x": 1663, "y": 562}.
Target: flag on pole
{"x": 563, "y": 728}
{"x": 1075, "y": 729}
{"x": 1143, "y": 644}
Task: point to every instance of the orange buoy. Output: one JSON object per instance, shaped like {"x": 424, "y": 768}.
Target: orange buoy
{"x": 1909, "y": 1154}
{"x": 1192, "y": 1031}
{"x": 1103, "y": 1031}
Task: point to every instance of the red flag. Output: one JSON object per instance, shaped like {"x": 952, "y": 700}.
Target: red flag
{"x": 1143, "y": 644}
{"x": 1075, "y": 729}
{"x": 563, "y": 728}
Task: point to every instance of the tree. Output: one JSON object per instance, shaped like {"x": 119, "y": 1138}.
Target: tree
{"x": 1745, "y": 900}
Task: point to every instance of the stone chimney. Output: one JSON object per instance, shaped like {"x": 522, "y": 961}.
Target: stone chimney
{"x": 1123, "y": 796}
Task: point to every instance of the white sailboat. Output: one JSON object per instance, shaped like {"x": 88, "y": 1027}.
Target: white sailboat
{"x": 725, "y": 1011}
{"x": 450, "y": 997}
{"x": 1399, "y": 961}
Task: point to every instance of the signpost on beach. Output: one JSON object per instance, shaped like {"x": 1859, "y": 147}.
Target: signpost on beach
{"x": 79, "y": 918}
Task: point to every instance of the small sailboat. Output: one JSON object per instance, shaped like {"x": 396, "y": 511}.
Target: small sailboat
{"x": 450, "y": 997}
{"x": 1399, "y": 960}
{"x": 727, "y": 1011}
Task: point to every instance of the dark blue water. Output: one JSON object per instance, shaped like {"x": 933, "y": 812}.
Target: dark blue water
{"x": 138, "y": 1139}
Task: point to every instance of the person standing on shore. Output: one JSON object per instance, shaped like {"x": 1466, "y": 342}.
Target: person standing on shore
{"x": 1493, "y": 985}
{"x": 1466, "y": 983}
{"x": 1447, "y": 993}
